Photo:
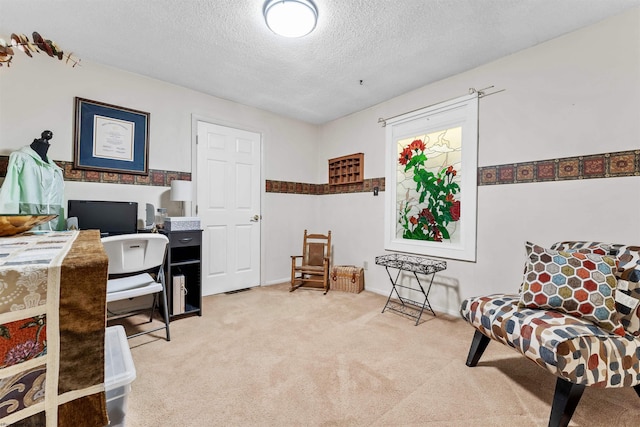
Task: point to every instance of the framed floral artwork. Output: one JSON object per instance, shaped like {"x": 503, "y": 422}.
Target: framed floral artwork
{"x": 431, "y": 180}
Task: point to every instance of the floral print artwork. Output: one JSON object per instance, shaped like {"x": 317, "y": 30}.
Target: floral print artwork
{"x": 428, "y": 189}
{"x": 22, "y": 340}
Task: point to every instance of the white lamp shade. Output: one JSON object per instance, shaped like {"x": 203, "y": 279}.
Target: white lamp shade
{"x": 290, "y": 18}
{"x": 180, "y": 191}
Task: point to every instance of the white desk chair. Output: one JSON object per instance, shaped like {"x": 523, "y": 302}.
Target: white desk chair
{"x": 131, "y": 258}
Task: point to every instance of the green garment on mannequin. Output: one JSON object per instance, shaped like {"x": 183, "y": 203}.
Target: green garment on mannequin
{"x": 33, "y": 186}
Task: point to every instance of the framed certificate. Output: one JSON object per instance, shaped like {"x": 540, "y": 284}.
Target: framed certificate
{"x": 110, "y": 138}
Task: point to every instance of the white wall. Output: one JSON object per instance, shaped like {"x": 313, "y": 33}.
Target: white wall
{"x": 290, "y": 216}
{"x": 38, "y": 94}
{"x": 575, "y": 95}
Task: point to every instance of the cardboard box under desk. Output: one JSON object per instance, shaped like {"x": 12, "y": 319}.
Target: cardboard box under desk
{"x": 179, "y": 291}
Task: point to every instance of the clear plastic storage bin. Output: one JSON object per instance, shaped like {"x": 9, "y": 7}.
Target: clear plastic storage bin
{"x": 119, "y": 373}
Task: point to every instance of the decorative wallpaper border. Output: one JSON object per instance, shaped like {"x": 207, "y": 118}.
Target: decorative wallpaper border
{"x": 160, "y": 178}
{"x": 607, "y": 165}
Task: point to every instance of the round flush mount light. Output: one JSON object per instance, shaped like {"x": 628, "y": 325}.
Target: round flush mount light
{"x": 290, "y": 18}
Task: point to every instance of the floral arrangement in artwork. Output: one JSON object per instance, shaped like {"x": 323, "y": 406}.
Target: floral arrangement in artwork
{"x": 437, "y": 206}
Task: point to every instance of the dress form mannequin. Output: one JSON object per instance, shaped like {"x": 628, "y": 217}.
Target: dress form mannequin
{"x": 41, "y": 145}
{"x": 34, "y": 183}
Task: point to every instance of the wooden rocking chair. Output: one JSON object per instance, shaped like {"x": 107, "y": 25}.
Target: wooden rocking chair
{"x": 312, "y": 272}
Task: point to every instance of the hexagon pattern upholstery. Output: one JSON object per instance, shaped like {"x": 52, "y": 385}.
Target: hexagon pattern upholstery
{"x": 572, "y": 282}
{"x": 627, "y": 292}
{"x": 571, "y": 348}
{"x": 577, "y": 316}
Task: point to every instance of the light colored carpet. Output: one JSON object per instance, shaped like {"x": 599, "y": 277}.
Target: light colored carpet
{"x": 268, "y": 357}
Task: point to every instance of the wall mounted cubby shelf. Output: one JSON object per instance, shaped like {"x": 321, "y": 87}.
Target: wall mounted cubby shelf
{"x": 346, "y": 169}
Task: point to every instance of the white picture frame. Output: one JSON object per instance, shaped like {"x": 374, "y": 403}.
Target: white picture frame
{"x": 431, "y": 180}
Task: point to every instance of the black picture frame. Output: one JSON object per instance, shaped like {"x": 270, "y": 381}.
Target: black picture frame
{"x": 110, "y": 138}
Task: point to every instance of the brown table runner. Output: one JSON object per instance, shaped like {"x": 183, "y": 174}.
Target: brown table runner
{"x": 52, "y": 321}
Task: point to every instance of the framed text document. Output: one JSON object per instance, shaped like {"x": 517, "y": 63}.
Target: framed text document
{"x": 109, "y": 138}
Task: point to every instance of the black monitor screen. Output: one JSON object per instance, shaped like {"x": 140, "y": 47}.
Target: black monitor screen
{"x": 111, "y": 218}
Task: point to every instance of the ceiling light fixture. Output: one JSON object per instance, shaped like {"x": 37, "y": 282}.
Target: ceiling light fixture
{"x": 290, "y": 18}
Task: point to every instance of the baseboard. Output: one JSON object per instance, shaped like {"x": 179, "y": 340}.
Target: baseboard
{"x": 384, "y": 293}
{"x": 277, "y": 281}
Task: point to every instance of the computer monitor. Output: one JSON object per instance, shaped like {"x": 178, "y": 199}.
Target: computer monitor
{"x": 111, "y": 218}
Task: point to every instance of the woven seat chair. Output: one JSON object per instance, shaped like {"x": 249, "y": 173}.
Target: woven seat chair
{"x": 311, "y": 269}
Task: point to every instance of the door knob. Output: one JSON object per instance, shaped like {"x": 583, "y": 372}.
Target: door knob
{"x": 255, "y": 218}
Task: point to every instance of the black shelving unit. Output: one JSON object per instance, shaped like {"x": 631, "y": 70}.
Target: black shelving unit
{"x": 184, "y": 257}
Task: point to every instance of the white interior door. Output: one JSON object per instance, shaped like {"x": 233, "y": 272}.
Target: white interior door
{"x": 228, "y": 204}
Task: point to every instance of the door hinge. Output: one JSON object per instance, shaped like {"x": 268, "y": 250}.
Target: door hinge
{"x": 196, "y": 209}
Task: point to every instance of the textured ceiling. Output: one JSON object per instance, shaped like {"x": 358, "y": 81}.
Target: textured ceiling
{"x": 223, "y": 47}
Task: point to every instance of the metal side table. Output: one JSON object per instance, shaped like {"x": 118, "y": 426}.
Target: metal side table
{"x": 414, "y": 264}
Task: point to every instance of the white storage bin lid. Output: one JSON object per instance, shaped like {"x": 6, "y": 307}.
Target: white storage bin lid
{"x": 119, "y": 369}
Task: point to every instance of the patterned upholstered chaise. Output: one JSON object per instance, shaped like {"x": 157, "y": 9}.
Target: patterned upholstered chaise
{"x": 577, "y": 315}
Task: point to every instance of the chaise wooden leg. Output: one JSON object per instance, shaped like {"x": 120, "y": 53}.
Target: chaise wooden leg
{"x": 478, "y": 345}
{"x": 637, "y": 389}
{"x": 565, "y": 400}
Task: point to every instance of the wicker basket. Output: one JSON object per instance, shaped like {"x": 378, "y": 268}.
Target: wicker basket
{"x": 347, "y": 278}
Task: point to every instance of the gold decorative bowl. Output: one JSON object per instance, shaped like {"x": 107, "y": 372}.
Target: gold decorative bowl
{"x": 11, "y": 224}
